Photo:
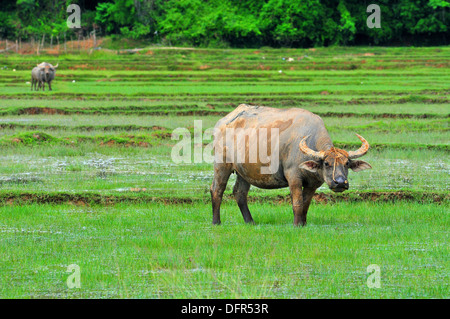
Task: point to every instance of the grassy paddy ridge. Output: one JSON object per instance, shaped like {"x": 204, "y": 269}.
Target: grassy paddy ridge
{"x": 87, "y": 176}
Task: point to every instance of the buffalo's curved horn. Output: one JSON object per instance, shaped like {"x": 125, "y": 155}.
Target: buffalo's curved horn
{"x": 306, "y": 150}
{"x": 56, "y": 66}
{"x": 361, "y": 151}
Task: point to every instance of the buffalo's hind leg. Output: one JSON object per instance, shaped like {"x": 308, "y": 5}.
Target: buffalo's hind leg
{"x": 222, "y": 173}
{"x": 240, "y": 192}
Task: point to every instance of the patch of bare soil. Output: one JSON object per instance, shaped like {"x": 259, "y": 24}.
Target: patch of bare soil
{"x": 41, "y": 110}
{"x": 145, "y": 196}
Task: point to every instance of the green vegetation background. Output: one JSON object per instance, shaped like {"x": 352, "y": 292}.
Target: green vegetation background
{"x": 235, "y": 23}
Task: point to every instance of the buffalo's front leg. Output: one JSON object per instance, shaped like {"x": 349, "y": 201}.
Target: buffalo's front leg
{"x": 307, "y": 194}
{"x": 297, "y": 203}
{"x": 295, "y": 186}
{"x": 221, "y": 174}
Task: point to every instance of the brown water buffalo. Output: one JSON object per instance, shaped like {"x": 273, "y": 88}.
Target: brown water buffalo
{"x": 302, "y": 157}
{"x": 47, "y": 74}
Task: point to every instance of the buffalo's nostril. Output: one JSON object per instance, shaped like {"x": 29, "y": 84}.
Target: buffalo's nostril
{"x": 340, "y": 183}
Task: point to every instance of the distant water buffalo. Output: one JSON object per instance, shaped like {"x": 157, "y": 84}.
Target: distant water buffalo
{"x": 303, "y": 157}
{"x": 43, "y": 73}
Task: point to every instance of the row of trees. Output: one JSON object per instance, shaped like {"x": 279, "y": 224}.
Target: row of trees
{"x": 221, "y": 23}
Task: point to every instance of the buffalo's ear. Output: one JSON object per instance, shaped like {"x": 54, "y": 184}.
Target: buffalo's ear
{"x": 311, "y": 166}
{"x": 357, "y": 166}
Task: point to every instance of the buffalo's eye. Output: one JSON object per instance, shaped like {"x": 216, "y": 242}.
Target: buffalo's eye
{"x": 327, "y": 164}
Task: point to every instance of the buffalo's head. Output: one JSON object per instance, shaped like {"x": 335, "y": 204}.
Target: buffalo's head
{"x": 334, "y": 163}
{"x": 48, "y": 70}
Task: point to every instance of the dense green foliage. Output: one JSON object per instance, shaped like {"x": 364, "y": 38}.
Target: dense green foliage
{"x": 234, "y": 22}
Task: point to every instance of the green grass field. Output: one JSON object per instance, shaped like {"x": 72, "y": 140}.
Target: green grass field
{"x": 145, "y": 251}
{"x": 87, "y": 176}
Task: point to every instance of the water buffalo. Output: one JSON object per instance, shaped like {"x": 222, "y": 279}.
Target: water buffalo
{"x": 306, "y": 157}
{"x": 48, "y": 74}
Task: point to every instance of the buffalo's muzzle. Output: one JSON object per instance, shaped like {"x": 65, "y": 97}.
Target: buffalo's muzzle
{"x": 340, "y": 184}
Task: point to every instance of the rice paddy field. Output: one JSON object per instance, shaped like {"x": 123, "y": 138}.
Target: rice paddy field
{"x": 87, "y": 177}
